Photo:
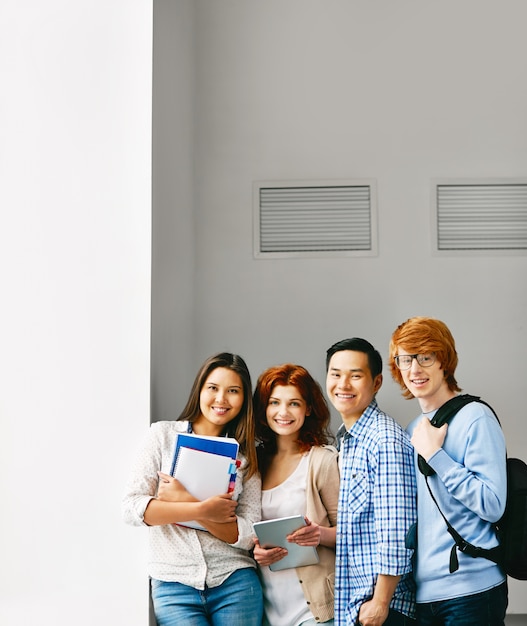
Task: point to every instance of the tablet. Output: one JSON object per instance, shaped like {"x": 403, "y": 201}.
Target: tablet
{"x": 272, "y": 533}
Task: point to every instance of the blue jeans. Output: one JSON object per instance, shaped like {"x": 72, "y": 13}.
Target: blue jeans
{"x": 236, "y": 602}
{"x": 480, "y": 609}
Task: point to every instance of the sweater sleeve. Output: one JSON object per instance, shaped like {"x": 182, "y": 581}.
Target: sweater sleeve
{"x": 323, "y": 486}
{"x": 329, "y": 489}
{"x": 471, "y": 464}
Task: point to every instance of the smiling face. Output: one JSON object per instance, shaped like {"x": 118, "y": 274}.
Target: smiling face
{"x": 220, "y": 401}
{"x": 427, "y": 384}
{"x": 286, "y": 410}
{"x": 350, "y": 385}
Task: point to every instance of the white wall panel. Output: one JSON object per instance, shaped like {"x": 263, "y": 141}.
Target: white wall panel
{"x": 75, "y": 211}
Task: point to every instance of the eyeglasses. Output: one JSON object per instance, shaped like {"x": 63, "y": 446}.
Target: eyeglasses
{"x": 404, "y": 361}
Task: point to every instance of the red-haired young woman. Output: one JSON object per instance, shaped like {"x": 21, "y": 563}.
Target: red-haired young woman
{"x": 299, "y": 476}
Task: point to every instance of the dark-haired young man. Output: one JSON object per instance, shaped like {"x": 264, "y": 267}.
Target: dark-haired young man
{"x": 377, "y": 505}
{"x": 470, "y": 483}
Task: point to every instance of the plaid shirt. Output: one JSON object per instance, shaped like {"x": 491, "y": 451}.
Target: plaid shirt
{"x": 377, "y": 506}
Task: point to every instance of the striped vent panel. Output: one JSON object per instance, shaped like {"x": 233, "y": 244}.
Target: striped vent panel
{"x": 482, "y": 217}
{"x": 315, "y": 219}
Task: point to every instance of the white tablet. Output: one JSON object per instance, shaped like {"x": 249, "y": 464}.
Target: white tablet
{"x": 272, "y": 533}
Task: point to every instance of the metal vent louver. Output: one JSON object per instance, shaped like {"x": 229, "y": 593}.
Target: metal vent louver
{"x": 482, "y": 216}
{"x": 322, "y": 219}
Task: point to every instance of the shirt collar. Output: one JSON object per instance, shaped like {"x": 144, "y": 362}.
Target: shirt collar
{"x": 360, "y": 425}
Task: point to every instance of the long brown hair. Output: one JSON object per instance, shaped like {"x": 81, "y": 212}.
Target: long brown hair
{"x": 242, "y": 426}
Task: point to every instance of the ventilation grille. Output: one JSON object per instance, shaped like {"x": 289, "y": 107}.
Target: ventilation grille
{"x": 482, "y": 216}
{"x": 314, "y": 219}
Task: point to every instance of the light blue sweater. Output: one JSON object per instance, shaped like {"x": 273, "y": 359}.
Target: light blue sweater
{"x": 470, "y": 486}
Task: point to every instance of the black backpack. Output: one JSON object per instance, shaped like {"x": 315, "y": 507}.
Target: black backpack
{"x": 511, "y": 529}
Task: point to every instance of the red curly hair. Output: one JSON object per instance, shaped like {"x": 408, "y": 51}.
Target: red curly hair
{"x": 314, "y": 431}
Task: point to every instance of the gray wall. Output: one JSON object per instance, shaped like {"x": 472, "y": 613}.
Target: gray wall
{"x": 173, "y": 229}
{"x": 401, "y": 92}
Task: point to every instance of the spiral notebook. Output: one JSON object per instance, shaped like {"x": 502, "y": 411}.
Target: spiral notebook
{"x": 226, "y": 446}
{"x": 272, "y": 533}
{"x": 203, "y": 474}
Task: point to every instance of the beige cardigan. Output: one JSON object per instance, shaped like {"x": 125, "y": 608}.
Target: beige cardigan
{"x": 322, "y": 492}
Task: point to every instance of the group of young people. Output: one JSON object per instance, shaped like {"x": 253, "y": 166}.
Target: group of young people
{"x": 383, "y": 547}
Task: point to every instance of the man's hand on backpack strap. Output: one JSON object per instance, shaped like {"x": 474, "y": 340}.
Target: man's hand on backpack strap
{"x": 428, "y": 439}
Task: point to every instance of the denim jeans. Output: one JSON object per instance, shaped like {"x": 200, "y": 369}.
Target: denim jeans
{"x": 481, "y": 609}
{"x": 236, "y": 602}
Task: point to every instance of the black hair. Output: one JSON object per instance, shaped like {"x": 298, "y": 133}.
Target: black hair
{"x": 358, "y": 345}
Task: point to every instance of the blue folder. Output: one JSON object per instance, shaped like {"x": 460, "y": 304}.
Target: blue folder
{"x": 224, "y": 446}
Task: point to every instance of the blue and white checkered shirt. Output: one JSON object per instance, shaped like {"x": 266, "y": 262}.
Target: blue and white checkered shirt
{"x": 377, "y": 506}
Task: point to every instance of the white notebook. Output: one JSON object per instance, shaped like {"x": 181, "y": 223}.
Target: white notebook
{"x": 272, "y": 533}
{"x": 203, "y": 474}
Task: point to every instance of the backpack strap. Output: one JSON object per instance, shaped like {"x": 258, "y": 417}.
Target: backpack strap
{"x": 443, "y": 415}
{"x": 492, "y": 554}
